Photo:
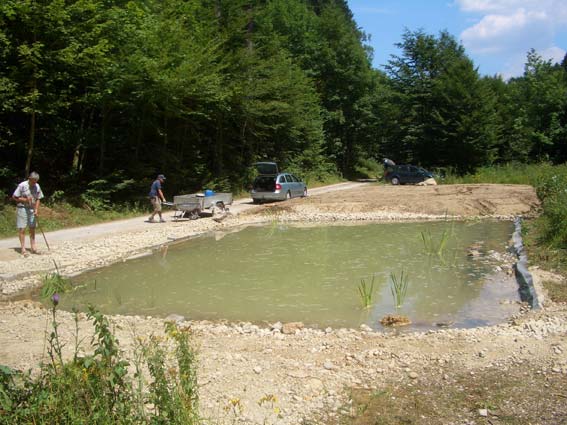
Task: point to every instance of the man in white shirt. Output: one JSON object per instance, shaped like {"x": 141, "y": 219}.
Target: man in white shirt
{"x": 27, "y": 195}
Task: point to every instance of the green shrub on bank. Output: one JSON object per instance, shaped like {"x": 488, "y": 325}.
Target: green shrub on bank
{"x": 551, "y": 189}
{"x": 511, "y": 173}
{"x": 97, "y": 389}
{"x": 550, "y": 182}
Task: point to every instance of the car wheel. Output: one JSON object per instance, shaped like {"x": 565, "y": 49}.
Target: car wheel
{"x": 395, "y": 181}
{"x": 304, "y": 192}
{"x": 288, "y": 195}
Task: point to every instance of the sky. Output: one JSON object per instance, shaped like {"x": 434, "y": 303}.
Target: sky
{"x": 496, "y": 34}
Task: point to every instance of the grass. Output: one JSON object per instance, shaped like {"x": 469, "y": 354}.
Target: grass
{"x": 458, "y": 398}
{"x": 511, "y": 173}
{"x": 366, "y": 292}
{"x": 547, "y": 257}
{"x": 433, "y": 247}
{"x": 399, "y": 288}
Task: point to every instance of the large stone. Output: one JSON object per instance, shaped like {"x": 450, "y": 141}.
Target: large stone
{"x": 176, "y": 318}
{"x": 292, "y": 327}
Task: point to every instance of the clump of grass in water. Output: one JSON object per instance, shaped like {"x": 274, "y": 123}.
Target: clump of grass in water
{"x": 366, "y": 292}
{"x": 399, "y": 288}
{"x": 438, "y": 247}
{"x": 432, "y": 246}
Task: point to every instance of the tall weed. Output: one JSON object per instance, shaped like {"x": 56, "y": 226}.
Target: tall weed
{"x": 97, "y": 388}
{"x": 366, "y": 292}
{"x": 399, "y": 288}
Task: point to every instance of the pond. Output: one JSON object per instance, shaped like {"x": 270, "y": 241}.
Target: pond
{"x": 312, "y": 274}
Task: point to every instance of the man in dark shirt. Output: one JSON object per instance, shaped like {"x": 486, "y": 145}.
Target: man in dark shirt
{"x": 156, "y": 198}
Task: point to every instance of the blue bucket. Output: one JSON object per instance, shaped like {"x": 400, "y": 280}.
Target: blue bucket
{"x": 209, "y": 192}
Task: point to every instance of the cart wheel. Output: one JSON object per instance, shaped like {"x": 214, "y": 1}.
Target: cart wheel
{"x": 194, "y": 215}
{"x": 220, "y": 206}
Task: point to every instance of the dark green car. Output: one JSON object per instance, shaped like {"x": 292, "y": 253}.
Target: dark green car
{"x": 404, "y": 174}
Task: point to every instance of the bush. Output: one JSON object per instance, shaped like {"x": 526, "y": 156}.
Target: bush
{"x": 368, "y": 169}
{"x": 550, "y": 183}
{"x": 97, "y": 389}
{"x": 551, "y": 188}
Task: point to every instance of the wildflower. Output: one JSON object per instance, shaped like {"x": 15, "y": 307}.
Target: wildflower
{"x": 55, "y": 299}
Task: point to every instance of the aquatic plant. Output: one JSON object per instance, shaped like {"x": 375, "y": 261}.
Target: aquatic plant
{"x": 399, "y": 288}
{"x": 366, "y": 292}
{"x": 431, "y": 245}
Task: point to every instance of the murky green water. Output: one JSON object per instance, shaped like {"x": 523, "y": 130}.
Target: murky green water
{"x": 311, "y": 274}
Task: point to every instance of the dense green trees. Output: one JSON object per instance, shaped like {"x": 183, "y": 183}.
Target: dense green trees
{"x": 102, "y": 95}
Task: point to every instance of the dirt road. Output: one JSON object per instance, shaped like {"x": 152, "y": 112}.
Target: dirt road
{"x": 9, "y": 246}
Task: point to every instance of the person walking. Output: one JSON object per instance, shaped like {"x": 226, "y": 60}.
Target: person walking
{"x": 27, "y": 196}
{"x": 156, "y": 198}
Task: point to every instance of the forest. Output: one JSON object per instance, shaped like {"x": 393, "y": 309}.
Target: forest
{"x": 99, "y": 96}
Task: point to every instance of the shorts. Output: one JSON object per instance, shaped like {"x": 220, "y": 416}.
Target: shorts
{"x": 25, "y": 218}
{"x": 156, "y": 203}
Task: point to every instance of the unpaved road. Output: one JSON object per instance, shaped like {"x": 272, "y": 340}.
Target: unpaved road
{"x": 9, "y": 246}
{"x": 309, "y": 371}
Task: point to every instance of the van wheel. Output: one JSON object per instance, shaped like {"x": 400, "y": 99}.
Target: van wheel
{"x": 395, "y": 181}
{"x": 304, "y": 192}
{"x": 256, "y": 201}
{"x": 288, "y": 195}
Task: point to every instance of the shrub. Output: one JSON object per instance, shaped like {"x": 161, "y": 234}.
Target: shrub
{"x": 97, "y": 389}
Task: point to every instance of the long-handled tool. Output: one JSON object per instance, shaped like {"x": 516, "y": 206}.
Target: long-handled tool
{"x": 43, "y": 234}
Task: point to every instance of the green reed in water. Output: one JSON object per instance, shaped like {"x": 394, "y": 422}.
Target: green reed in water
{"x": 399, "y": 288}
{"x": 433, "y": 246}
{"x": 366, "y": 292}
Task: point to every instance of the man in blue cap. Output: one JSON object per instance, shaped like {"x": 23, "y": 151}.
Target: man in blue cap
{"x": 156, "y": 198}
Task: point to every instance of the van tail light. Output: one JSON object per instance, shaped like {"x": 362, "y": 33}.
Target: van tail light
{"x": 278, "y": 186}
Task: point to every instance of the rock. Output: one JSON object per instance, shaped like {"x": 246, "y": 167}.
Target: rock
{"x": 365, "y": 328}
{"x": 315, "y": 385}
{"x": 483, "y": 412}
{"x": 428, "y": 182}
{"x": 292, "y": 327}
{"x": 276, "y": 326}
{"x": 413, "y": 375}
{"x": 473, "y": 253}
{"x": 176, "y": 318}
{"x": 257, "y": 370}
{"x": 328, "y": 365}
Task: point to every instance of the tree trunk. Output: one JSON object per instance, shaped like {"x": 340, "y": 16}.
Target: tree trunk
{"x": 102, "y": 142}
{"x": 31, "y": 141}
{"x": 30, "y": 144}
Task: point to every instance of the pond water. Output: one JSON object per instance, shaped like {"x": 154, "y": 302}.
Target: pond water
{"x": 312, "y": 274}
